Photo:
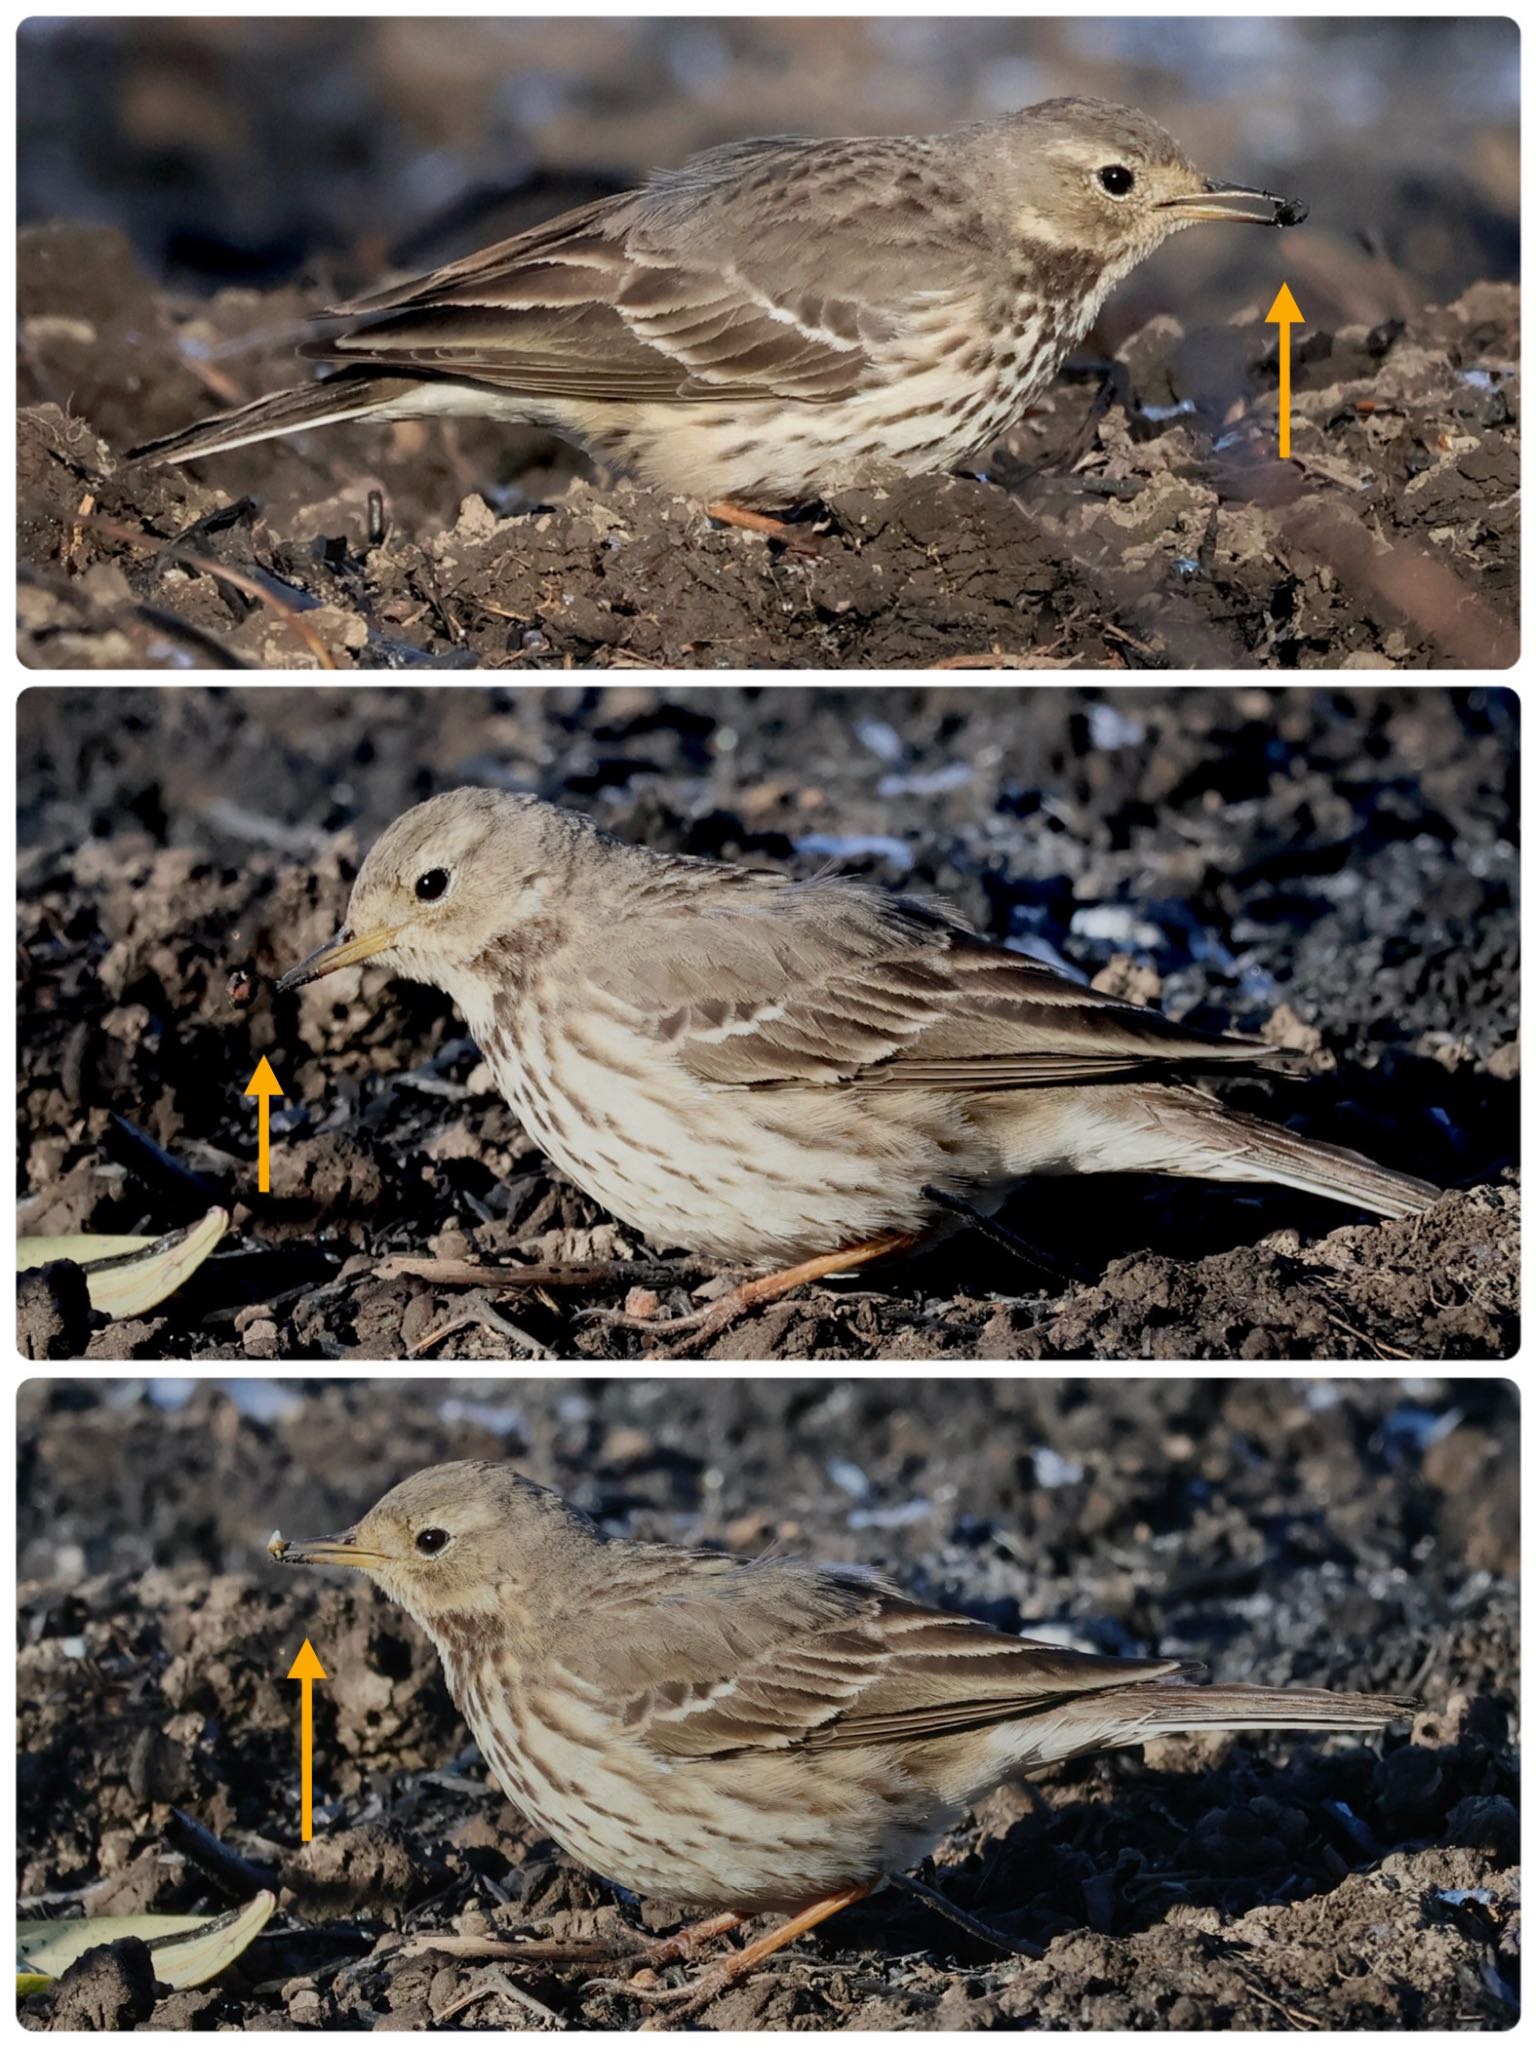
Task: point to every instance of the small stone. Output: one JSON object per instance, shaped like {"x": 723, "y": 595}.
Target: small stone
{"x": 1134, "y": 981}
{"x": 1284, "y": 1028}
{"x": 303, "y": 2002}
{"x": 259, "y": 1340}
{"x": 1504, "y": 1064}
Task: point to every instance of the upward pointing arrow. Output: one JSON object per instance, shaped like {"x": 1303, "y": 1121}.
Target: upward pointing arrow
{"x": 306, "y": 1668}
{"x": 1285, "y": 314}
{"x": 265, "y": 1084}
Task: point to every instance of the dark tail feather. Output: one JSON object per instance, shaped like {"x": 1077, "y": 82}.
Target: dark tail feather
{"x": 1171, "y": 1709}
{"x": 1217, "y": 1143}
{"x": 347, "y": 396}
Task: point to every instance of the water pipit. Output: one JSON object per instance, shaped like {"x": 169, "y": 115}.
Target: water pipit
{"x": 738, "y": 1736}
{"x": 791, "y": 1075}
{"x": 783, "y": 319}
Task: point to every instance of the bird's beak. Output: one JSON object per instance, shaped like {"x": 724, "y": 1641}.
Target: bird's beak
{"x": 342, "y": 1549}
{"x": 1237, "y": 202}
{"x": 345, "y": 950}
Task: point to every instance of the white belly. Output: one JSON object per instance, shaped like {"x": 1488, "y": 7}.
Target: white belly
{"x": 733, "y": 1174}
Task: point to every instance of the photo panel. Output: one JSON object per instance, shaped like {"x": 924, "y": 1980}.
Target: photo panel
{"x": 644, "y": 1022}
{"x": 1172, "y": 1702}
{"x": 764, "y": 342}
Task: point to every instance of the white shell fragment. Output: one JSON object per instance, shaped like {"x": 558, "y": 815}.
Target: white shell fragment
{"x": 187, "y": 1949}
{"x": 128, "y": 1276}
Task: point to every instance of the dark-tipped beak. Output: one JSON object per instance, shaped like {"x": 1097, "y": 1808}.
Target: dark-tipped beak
{"x": 342, "y": 1549}
{"x": 1238, "y": 202}
{"x": 345, "y": 950}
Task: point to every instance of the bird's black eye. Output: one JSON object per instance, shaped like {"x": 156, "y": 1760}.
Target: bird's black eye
{"x": 1117, "y": 180}
{"x": 431, "y": 1541}
{"x": 432, "y": 884}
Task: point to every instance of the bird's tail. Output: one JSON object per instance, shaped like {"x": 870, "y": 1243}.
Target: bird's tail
{"x": 349, "y": 395}
{"x": 1179, "y": 1130}
{"x": 1123, "y": 1716}
{"x": 1164, "y": 1709}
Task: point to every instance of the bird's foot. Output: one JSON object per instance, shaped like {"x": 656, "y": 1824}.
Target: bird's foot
{"x": 697, "y": 1328}
{"x": 666, "y": 2004}
{"x": 682, "y": 1946}
{"x": 649, "y": 1956}
{"x": 701, "y": 1326}
{"x": 688, "y": 2001}
{"x": 795, "y": 539}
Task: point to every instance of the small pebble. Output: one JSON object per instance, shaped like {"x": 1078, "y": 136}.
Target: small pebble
{"x": 241, "y": 987}
{"x": 259, "y": 1340}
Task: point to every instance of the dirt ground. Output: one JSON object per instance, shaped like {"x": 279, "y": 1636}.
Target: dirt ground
{"x": 1333, "y": 869}
{"x": 1139, "y": 521}
{"x": 1353, "y": 1534}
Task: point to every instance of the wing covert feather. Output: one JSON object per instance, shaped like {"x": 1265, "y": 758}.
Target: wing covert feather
{"x": 824, "y": 983}
{"x": 774, "y": 1656}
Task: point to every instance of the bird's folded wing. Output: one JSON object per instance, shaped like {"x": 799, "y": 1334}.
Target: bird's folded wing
{"x": 619, "y": 300}
{"x": 943, "y": 1674}
{"x": 782, "y": 1659}
{"x": 823, "y": 983}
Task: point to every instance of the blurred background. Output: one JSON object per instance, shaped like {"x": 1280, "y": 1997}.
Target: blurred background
{"x": 263, "y": 152}
{"x": 1125, "y": 1515}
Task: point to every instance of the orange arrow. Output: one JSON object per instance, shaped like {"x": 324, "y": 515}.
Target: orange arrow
{"x": 1286, "y": 314}
{"x": 306, "y": 1668}
{"x": 265, "y": 1084}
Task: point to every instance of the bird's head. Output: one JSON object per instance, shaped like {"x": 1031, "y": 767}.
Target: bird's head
{"x": 443, "y": 884}
{"x": 456, "y": 1541}
{"x": 1087, "y": 175}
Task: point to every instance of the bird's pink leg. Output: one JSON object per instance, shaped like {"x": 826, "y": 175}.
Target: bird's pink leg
{"x": 802, "y": 1922}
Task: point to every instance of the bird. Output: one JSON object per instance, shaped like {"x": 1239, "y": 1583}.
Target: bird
{"x": 794, "y": 1077}
{"x": 781, "y": 319}
{"x": 740, "y": 1736}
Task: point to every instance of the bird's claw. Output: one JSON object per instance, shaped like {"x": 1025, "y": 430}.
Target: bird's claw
{"x": 698, "y": 1326}
{"x": 684, "y": 2003}
{"x": 667, "y": 2003}
{"x": 626, "y": 1987}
